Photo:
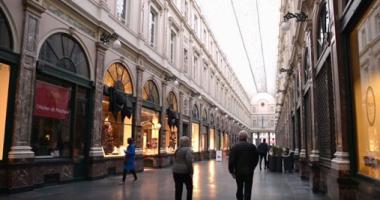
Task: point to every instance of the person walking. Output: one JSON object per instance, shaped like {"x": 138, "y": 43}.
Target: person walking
{"x": 183, "y": 168}
{"x": 263, "y": 149}
{"x": 129, "y": 160}
{"x": 242, "y": 162}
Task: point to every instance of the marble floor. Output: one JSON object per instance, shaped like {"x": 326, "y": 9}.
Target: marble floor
{"x": 211, "y": 181}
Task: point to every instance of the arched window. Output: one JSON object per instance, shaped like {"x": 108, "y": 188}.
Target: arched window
{"x": 323, "y": 29}
{"x": 117, "y": 76}
{"x": 195, "y": 112}
{"x": 172, "y": 102}
{"x": 150, "y": 93}
{"x": 5, "y": 32}
{"x": 62, "y": 51}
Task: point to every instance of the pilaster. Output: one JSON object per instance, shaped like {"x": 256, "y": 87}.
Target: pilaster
{"x": 96, "y": 147}
{"x": 21, "y": 144}
{"x": 163, "y": 120}
{"x": 137, "y": 112}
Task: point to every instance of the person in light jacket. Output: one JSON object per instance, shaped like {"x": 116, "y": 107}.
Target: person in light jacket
{"x": 129, "y": 161}
{"x": 183, "y": 168}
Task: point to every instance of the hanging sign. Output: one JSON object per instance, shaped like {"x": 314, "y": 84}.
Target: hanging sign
{"x": 51, "y": 101}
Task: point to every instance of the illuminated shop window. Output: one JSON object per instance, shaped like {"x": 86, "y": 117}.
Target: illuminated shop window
{"x": 195, "y": 137}
{"x": 365, "y": 61}
{"x": 150, "y": 93}
{"x": 117, "y": 110}
{"x": 4, "y": 84}
{"x": 212, "y": 139}
{"x": 150, "y": 129}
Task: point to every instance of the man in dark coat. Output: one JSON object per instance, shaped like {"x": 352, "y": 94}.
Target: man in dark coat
{"x": 263, "y": 149}
{"x": 242, "y": 163}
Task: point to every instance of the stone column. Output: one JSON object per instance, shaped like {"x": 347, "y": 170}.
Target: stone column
{"x": 21, "y": 145}
{"x": 163, "y": 121}
{"x": 136, "y": 122}
{"x": 96, "y": 146}
{"x": 137, "y": 135}
{"x": 181, "y": 111}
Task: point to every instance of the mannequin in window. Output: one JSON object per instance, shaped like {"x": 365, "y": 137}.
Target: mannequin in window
{"x": 108, "y": 140}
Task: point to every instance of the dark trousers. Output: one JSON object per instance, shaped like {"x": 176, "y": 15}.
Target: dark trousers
{"x": 179, "y": 180}
{"x": 244, "y": 182}
{"x": 265, "y": 160}
{"x": 130, "y": 171}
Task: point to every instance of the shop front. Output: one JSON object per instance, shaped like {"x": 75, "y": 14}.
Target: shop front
{"x": 117, "y": 106}
{"x": 172, "y": 124}
{"x": 364, "y": 58}
{"x": 150, "y": 125}
{"x": 195, "y": 133}
{"x": 62, "y": 89}
{"x": 8, "y": 65}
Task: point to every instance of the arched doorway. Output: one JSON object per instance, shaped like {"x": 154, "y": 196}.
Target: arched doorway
{"x": 61, "y": 102}
{"x": 172, "y": 117}
{"x": 117, "y": 110}
{"x": 150, "y": 119}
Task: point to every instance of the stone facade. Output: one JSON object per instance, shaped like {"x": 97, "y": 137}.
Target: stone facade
{"x": 315, "y": 96}
{"x": 180, "y": 55}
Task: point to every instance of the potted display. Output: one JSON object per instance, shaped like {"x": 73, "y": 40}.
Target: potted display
{"x": 275, "y": 159}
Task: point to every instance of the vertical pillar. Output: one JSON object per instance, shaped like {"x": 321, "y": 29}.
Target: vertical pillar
{"x": 96, "y": 147}
{"x": 163, "y": 130}
{"x": 137, "y": 135}
{"x": 21, "y": 144}
{"x": 181, "y": 111}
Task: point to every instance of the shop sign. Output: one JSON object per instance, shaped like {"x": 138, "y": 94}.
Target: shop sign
{"x": 51, "y": 101}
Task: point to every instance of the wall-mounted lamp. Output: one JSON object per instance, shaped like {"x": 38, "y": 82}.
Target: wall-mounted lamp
{"x": 216, "y": 108}
{"x": 199, "y": 97}
{"x": 300, "y": 17}
{"x": 106, "y": 38}
{"x": 172, "y": 78}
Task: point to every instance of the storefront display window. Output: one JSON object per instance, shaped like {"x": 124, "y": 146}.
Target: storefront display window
{"x": 60, "y": 110}
{"x": 172, "y": 119}
{"x": 4, "y": 85}
{"x": 117, "y": 110}
{"x": 365, "y": 59}
{"x": 150, "y": 129}
{"x": 51, "y": 119}
{"x": 195, "y": 137}
{"x": 212, "y": 139}
{"x": 204, "y": 137}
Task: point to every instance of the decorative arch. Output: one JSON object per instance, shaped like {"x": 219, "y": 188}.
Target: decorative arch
{"x": 118, "y": 76}
{"x": 150, "y": 93}
{"x": 172, "y": 101}
{"x": 63, "y": 51}
{"x": 6, "y": 39}
{"x": 195, "y": 112}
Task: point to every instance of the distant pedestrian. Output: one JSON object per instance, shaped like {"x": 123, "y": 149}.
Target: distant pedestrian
{"x": 263, "y": 150}
{"x": 242, "y": 163}
{"x": 129, "y": 160}
{"x": 183, "y": 168}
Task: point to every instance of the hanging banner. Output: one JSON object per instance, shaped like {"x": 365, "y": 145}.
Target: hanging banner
{"x": 51, "y": 100}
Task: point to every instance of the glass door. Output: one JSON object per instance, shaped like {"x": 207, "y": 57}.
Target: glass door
{"x": 80, "y": 132}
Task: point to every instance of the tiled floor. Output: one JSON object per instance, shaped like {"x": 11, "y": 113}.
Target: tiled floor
{"x": 211, "y": 181}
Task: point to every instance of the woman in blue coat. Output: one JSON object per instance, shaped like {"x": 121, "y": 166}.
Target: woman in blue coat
{"x": 129, "y": 161}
